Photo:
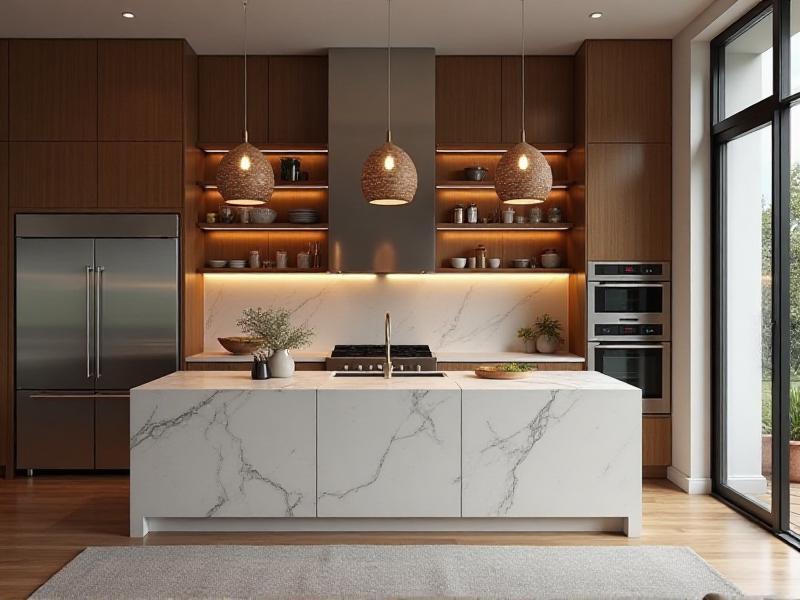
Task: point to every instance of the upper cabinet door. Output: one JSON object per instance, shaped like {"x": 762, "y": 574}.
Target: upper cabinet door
{"x": 298, "y": 99}
{"x": 141, "y": 90}
{"x": 221, "y": 98}
{"x": 629, "y": 91}
{"x": 548, "y": 99}
{"x": 629, "y": 202}
{"x": 468, "y": 106}
{"x": 53, "y": 90}
{"x": 140, "y": 175}
{"x": 3, "y": 89}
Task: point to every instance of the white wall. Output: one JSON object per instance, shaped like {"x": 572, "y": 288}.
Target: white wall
{"x": 464, "y": 313}
{"x": 691, "y": 240}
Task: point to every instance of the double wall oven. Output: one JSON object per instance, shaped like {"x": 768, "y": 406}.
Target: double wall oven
{"x": 629, "y": 327}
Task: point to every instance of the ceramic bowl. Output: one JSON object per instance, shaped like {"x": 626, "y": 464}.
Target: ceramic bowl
{"x": 217, "y": 264}
{"x": 262, "y": 215}
{"x": 475, "y": 173}
{"x": 522, "y": 263}
{"x": 494, "y": 263}
{"x": 458, "y": 263}
{"x": 240, "y": 345}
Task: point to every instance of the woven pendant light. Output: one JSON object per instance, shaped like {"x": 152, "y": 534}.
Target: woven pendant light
{"x": 523, "y": 175}
{"x": 389, "y": 177}
{"x": 245, "y": 177}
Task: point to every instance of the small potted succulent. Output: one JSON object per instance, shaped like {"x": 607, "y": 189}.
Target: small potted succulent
{"x": 279, "y": 336}
{"x": 547, "y": 332}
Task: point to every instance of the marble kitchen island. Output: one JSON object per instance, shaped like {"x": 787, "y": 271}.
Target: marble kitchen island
{"x": 217, "y": 451}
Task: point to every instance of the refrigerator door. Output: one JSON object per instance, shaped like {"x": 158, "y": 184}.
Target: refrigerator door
{"x": 136, "y": 311}
{"x": 54, "y": 301}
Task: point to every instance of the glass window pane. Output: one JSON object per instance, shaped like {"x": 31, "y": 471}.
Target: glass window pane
{"x": 748, "y": 67}
{"x": 794, "y": 320}
{"x": 748, "y": 327}
{"x": 794, "y": 45}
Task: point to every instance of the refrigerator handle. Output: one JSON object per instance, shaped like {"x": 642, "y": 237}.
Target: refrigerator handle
{"x": 89, "y": 271}
{"x": 98, "y": 315}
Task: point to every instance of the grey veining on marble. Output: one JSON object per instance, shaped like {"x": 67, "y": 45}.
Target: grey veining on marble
{"x": 458, "y": 313}
{"x": 224, "y": 452}
{"x": 393, "y": 455}
{"x": 551, "y": 452}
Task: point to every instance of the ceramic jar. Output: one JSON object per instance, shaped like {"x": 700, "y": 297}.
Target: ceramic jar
{"x": 281, "y": 364}
{"x": 551, "y": 259}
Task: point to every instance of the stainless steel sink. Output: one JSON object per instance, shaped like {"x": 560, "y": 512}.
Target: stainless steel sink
{"x": 395, "y": 374}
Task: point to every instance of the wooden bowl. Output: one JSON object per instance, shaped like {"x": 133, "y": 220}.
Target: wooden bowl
{"x": 240, "y": 345}
{"x": 495, "y": 373}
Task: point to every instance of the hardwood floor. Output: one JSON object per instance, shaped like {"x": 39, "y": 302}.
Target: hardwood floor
{"x": 46, "y": 521}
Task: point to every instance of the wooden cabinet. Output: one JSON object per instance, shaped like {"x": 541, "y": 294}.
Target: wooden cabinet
{"x": 629, "y": 91}
{"x": 3, "y": 89}
{"x": 629, "y": 202}
{"x": 53, "y": 175}
{"x": 53, "y": 89}
{"x": 140, "y": 90}
{"x": 5, "y": 280}
{"x": 221, "y": 98}
{"x": 140, "y": 175}
{"x": 468, "y": 105}
{"x": 298, "y": 99}
{"x": 656, "y": 441}
{"x": 548, "y": 99}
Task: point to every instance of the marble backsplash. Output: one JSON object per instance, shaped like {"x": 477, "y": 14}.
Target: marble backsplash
{"x": 458, "y": 313}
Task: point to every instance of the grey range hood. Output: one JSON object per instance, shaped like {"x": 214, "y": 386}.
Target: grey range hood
{"x": 365, "y": 238}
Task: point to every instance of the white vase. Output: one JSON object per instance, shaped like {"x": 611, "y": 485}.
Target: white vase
{"x": 546, "y": 345}
{"x": 281, "y": 364}
{"x": 530, "y": 346}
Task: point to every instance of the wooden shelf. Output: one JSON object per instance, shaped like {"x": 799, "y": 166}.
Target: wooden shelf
{"x": 462, "y": 184}
{"x": 536, "y": 271}
{"x": 284, "y": 185}
{"x": 229, "y": 270}
{"x": 288, "y": 149}
{"x": 498, "y": 148}
{"x": 503, "y": 226}
{"x": 263, "y": 226}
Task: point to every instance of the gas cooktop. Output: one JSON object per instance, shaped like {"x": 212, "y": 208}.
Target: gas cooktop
{"x": 370, "y": 357}
{"x": 379, "y": 351}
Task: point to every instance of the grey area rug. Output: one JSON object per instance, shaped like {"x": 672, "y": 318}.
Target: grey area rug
{"x": 312, "y": 572}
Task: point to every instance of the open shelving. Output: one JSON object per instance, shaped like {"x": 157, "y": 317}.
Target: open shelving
{"x": 227, "y": 241}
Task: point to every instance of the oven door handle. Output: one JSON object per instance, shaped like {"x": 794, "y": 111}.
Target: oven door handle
{"x": 628, "y": 346}
{"x": 627, "y": 285}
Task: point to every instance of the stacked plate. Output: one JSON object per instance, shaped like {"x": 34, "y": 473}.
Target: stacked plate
{"x": 237, "y": 264}
{"x": 303, "y": 215}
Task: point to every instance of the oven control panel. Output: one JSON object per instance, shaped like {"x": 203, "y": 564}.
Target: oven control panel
{"x": 628, "y": 271}
{"x": 646, "y": 330}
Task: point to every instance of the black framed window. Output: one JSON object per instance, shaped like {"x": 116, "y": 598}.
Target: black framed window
{"x": 756, "y": 265}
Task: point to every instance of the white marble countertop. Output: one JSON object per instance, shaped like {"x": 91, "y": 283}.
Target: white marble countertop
{"x": 466, "y": 357}
{"x": 319, "y": 380}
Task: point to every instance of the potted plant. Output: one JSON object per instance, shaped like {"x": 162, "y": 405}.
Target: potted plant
{"x": 547, "y": 331}
{"x": 274, "y": 327}
{"x": 528, "y": 338}
{"x": 794, "y": 436}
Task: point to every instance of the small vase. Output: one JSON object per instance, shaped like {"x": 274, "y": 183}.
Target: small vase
{"x": 281, "y": 364}
{"x": 546, "y": 345}
{"x": 530, "y": 346}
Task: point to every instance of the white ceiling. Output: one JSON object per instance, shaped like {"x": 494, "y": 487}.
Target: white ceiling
{"x": 310, "y": 26}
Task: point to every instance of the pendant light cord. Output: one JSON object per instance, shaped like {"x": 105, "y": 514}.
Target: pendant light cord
{"x": 244, "y": 4}
{"x": 389, "y": 71}
{"x": 522, "y": 73}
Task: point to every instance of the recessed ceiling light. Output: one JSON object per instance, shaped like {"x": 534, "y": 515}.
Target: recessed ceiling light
{"x": 128, "y": 15}
{"x": 595, "y": 15}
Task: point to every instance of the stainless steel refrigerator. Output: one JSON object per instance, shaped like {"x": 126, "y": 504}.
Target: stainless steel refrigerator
{"x": 96, "y": 314}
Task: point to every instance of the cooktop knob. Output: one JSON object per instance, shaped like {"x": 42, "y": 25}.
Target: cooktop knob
{"x": 360, "y": 367}
{"x": 346, "y": 367}
{"x": 402, "y": 367}
{"x": 380, "y": 367}
{"x": 419, "y": 367}
{"x": 372, "y": 367}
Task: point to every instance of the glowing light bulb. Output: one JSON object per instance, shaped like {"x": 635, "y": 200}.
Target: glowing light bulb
{"x": 245, "y": 163}
{"x": 388, "y": 162}
{"x": 523, "y": 162}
